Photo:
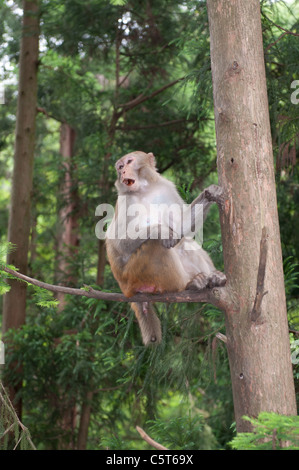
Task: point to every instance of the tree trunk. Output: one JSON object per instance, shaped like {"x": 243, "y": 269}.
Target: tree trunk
{"x": 84, "y": 422}
{"x": 256, "y": 318}
{"x": 69, "y": 228}
{"x": 14, "y": 304}
{"x": 68, "y": 242}
{"x": 101, "y": 262}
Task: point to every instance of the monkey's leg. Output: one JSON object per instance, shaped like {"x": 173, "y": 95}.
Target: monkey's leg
{"x": 148, "y": 321}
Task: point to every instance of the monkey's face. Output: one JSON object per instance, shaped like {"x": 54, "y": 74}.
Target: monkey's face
{"x": 130, "y": 171}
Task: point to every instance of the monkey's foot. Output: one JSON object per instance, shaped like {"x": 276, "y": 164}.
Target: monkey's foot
{"x": 199, "y": 282}
{"x": 216, "y": 279}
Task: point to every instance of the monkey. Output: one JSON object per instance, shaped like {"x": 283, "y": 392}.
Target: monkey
{"x": 153, "y": 253}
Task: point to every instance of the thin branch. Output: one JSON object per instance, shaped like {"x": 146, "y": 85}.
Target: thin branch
{"x": 274, "y": 437}
{"x": 154, "y": 126}
{"x": 50, "y": 116}
{"x": 296, "y": 332}
{"x": 214, "y": 296}
{"x": 141, "y": 98}
{"x": 149, "y": 440}
{"x": 280, "y": 27}
{"x": 117, "y": 61}
{"x": 125, "y": 77}
{"x": 221, "y": 337}
{"x": 7, "y": 403}
{"x": 7, "y": 430}
{"x": 273, "y": 43}
{"x": 285, "y": 32}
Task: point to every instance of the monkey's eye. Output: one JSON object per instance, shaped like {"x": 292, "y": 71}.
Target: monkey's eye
{"x": 120, "y": 167}
{"x": 129, "y": 161}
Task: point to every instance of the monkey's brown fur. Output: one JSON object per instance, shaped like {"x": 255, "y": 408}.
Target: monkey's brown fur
{"x": 153, "y": 265}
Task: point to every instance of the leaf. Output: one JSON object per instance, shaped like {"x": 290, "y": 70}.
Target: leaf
{"x": 118, "y": 2}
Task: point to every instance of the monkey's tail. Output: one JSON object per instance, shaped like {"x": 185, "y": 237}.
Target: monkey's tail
{"x": 148, "y": 321}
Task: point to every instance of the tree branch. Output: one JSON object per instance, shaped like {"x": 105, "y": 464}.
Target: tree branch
{"x": 275, "y": 42}
{"x": 285, "y": 31}
{"x": 216, "y": 296}
{"x": 149, "y": 440}
{"x": 141, "y": 98}
{"x": 280, "y": 27}
{"x": 157, "y": 125}
{"x": 50, "y": 116}
{"x": 5, "y": 402}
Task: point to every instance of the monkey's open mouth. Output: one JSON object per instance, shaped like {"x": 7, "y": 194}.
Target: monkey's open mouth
{"x": 129, "y": 181}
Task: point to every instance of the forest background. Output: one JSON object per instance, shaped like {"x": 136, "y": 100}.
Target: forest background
{"x": 115, "y": 77}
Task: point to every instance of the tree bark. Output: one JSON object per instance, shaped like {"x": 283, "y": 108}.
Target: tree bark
{"x": 68, "y": 242}
{"x": 14, "y": 305}
{"x": 68, "y": 239}
{"x": 256, "y": 319}
{"x": 84, "y": 421}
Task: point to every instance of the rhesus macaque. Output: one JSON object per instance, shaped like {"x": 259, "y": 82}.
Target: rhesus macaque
{"x": 155, "y": 255}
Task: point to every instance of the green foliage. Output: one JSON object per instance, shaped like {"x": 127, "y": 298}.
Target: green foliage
{"x": 5, "y": 248}
{"x": 114, "y": 442}
{"x": 13, "y": 434}
{"x": 291, "y": 275}
{"x": 41, "y": 296}
{"x": 118, "y": 2}
{"x": 182, "y": 433}
{"x": 61, "y": 363}
{"x": 270, "y": 432}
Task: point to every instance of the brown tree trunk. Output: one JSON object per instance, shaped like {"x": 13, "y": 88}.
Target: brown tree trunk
{"x": 84, "y": 422}
{"x": 101, "y": 262}
{"x": 256, "y": 318}
{"x": 69, "y": 228}
{"x": 14, "y": 305}
{"x": 68, "y": 242}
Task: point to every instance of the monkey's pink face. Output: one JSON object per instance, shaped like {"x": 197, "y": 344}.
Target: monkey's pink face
{"x": 134, "y": 171}
{"x": 127, "y": 169}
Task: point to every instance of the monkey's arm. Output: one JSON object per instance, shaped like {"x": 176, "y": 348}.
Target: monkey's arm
{"x": 199, "y": 208}
{"x": 127, "y": 246}
{"x": 169, "y": 238}
{"x": 209, "y": 195}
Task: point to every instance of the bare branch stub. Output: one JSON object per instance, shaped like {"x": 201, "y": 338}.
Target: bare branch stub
{"x": 149, "y": 440}
{"x": 215, "y": 193}
{"x": 256, "y": 311}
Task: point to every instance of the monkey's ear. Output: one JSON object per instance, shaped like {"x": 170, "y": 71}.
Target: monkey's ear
{"x": 151, "y": 159}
